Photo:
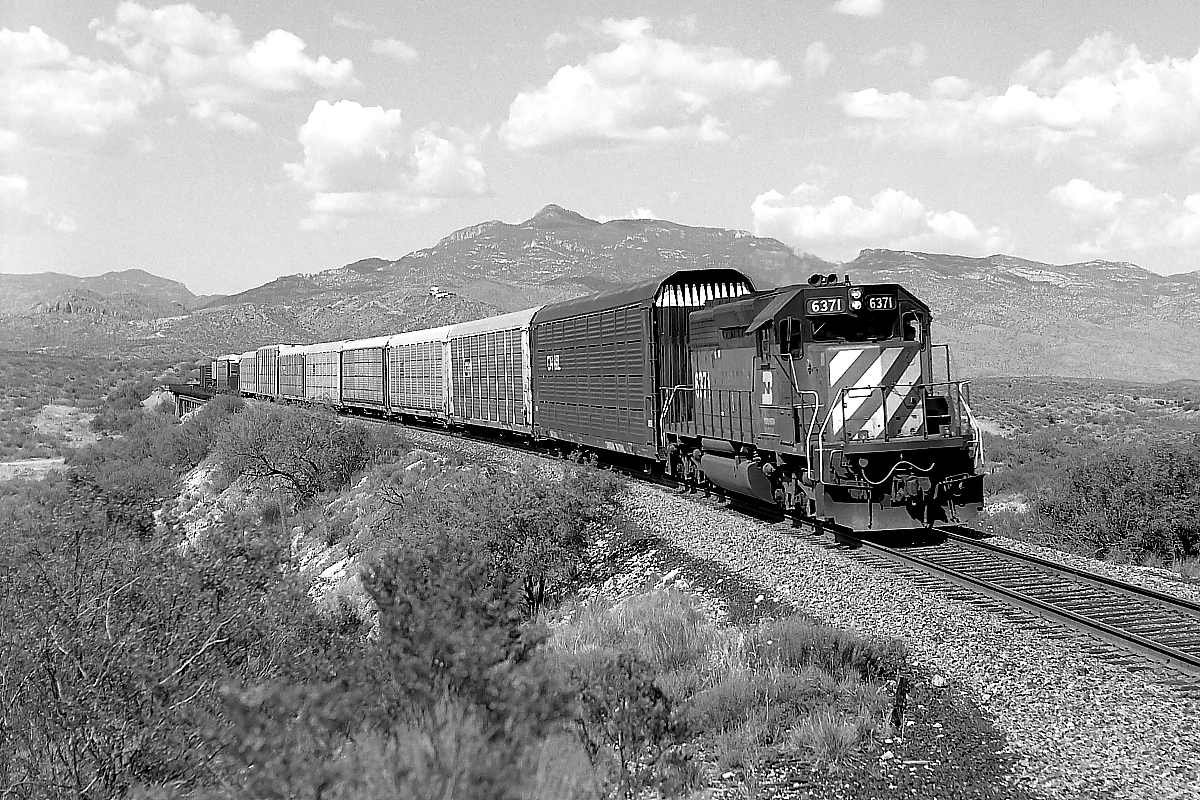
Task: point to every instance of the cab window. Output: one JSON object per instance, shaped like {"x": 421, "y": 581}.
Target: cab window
{"x": 913, "y": 327}
{"x": 864, "y": 326}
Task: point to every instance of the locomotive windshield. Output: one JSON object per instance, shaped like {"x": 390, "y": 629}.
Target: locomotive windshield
{"x": 863, "y": 326}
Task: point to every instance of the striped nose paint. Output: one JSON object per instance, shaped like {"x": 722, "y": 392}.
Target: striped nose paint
{"x": 881, "y": 395}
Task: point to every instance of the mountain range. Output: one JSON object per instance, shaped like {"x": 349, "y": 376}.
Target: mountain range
{"x": 1002, "y": 315}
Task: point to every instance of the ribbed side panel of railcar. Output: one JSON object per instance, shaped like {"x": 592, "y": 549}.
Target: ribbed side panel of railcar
{"x": 490, "y": 379}
{"x": 268, "y": 370}
{"x": 594, "y": 384}
{"x": 221, "y": 374}
{"x": 322, "y": 377}
{"x": 417, "y": 378}
{"x": 363, "y": 377}
{"x": 291, "y": 375}
{"x": 248, "y": 373}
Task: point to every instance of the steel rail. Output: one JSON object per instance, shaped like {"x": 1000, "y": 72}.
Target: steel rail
{"x": 1083, "y": 576}
{"x": 1158, "y": 652}
{"x": 1148, "y": 648}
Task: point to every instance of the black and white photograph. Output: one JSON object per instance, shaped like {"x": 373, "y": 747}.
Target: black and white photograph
{"x": 599, "y": 401}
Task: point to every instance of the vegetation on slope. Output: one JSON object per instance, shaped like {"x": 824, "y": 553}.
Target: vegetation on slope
{"x": 1100, "y": 469}
{"x": 136, "y": 657}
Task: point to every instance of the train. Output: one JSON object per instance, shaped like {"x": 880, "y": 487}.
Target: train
{"x": 827, "y": 399}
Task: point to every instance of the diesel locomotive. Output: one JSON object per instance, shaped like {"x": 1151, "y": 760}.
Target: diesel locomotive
{"x": 828, "y": 399}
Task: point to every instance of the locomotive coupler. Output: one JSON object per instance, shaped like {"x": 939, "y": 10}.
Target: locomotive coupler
{"x": 910, "y": 487}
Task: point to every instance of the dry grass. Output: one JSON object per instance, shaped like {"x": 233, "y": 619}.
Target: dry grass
{"x": 749, "y": 693}
{"x": 1187, "y": 567}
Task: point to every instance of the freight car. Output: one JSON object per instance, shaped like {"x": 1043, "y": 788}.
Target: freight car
{"x": 824, "y": 399}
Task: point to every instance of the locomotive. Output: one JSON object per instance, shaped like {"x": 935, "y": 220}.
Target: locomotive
{"x": 827, "y": 399}
{"x": 823, "y": 398}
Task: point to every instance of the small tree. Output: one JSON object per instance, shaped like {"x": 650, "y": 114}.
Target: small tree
{"x": 302, "y": 452}
{"x": 627, "y": 725}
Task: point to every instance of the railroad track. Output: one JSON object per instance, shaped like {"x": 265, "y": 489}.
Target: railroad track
{"x": 1157, "y": 627}
{"x": 1153, "y": 626}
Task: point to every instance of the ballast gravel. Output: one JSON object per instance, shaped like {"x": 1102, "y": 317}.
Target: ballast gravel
{"x": 1075, "y": 724}
{"x": 1078, "y": 725}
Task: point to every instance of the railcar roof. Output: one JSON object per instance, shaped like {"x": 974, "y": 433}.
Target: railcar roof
{"x": 324, "y": 347}
{"x": 515, "y": 319}
{"x": 639, "y": 293}
{"x": 362, "y": 344}
{"x": 418, "y": 337}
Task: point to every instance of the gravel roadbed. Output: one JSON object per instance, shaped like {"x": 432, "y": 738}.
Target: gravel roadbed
{"x": 1076, "y": 725}
{"x": 1035, "y": 714}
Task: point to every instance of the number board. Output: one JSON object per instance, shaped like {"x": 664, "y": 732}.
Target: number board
{"x": 879, "y": 302}
{"x": 826, "y": 305}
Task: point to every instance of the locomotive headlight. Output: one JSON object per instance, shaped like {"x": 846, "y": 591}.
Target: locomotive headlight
{"x": 856, "y": 293}
{"x": 855, "y": 304}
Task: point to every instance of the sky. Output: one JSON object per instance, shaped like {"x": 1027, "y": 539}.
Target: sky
{"x": 224, "y": 144}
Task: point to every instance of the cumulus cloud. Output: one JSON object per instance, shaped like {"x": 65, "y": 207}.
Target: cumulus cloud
{"x": 20, "y": 210}
{"x": 14, "y": 190}
{"x": 46, "y": 92}
{"x": 1111, "y": 224}
{"x": 359, "y": 160}
{"x": 647, "y": 90}
{"x": 202, "y": 57}
{"x": 914, "y": 55}
{"x": 840, "y": 227}
{"x": 556, "y": 38}
{"x": 817, "y": 59}
{"x": 1085, "y": 201}
{"x": 394, "y": 48}
{"x": 637, "y": 213}
{"x": 1106, "y": 101}
{"x": 858, "y": 8}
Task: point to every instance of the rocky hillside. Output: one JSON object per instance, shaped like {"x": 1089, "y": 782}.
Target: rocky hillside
{"x": 553, "y": 255}
{"x": 1009, "y": 316}
{"x": 130, "y": 294}
{"x": 473, "y": 272}
{"x": 1004, "y": 315}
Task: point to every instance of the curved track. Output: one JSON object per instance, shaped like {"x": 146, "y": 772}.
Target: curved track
{"x": 1155, "y": 626}
{"x": 1158, "y": 627}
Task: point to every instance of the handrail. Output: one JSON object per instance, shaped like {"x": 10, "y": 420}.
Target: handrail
{"x": 816, "y": 407}
{"x": 974, "y": 425}
{"x": 821, "y": 441}
{"x": 662, "y": 416}
{"x": 839, "y": 402}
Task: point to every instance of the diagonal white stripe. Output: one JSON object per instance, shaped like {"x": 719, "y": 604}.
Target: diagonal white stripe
{"x": 842, "y": 360}
{"x": 888, "y": 360}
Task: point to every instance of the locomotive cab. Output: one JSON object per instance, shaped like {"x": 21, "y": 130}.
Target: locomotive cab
{"x": 831, "y": 400}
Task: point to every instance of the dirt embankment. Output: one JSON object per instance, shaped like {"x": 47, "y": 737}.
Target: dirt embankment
{"x": 66, "y": 424}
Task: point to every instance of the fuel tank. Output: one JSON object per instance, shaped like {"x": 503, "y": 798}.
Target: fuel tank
{"x": 738, "y": 475}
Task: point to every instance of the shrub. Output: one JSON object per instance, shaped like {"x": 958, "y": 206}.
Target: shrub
{"x": 794, "y": 643}
{"x": 303, "y": 452}
{"x": 740, "y": 690}
{"x": 828, "y": 736}
{"x": 536, "y": 526}
{"x": 1126, "y": 500}
{"x": 123, "y": 643}
{"x": 627, "y": 725}
{"x": 664, "y": 628}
